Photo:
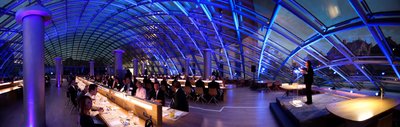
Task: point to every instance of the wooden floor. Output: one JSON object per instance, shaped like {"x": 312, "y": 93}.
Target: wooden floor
{"x": 242, "y": 108}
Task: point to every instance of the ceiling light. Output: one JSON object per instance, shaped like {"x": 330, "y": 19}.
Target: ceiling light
{"x": 333, "y": 11}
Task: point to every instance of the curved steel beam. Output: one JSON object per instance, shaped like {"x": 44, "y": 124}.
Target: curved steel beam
{"x": 271, "y": 22}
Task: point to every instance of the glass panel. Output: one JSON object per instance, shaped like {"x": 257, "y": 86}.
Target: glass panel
{"x": 330, "y": 12}
{"x": 331, "y": 75}
{"x": 351, "y": 70}
{"x": 380, "y": 70}
{"x": 392, "y": 38}
{"x": 391, "y": 86}
{"x": 327, "y": 50}
{"x": 292, "y": 23}
{"x": 264, "y": 7}
{"x": 379, "y": 6}
{"x": 281, "y": 41}
{"x": 360, "y": 42}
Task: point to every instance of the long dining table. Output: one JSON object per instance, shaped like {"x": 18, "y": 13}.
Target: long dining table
{"x": 113, "y": 115}
{"x": 121, "y": 113}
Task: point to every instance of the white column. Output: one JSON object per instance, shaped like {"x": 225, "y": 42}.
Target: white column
{"x": 91, "y": 68}
{"x": 58, "y": 62}
{"x": 207, "y": 63}
{"x": 135, "y": 67}
{"x": 187, "y": 66}
{"x": 118, "y": 63}
{"x": 33, "y": 20}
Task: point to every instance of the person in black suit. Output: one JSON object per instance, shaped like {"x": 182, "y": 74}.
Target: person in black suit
{"x": 110, "y": 82}
{"x": 157, "y": 94}
{"x": 127, "y": 85}
{"x": 308, "y": 74}
{"x": 179, "y": 101}
{"x": 200, "y": 83}
{"x": 164, "y": 84}
{"x": 73, "y": 93}
{"x": 214, "y": 84}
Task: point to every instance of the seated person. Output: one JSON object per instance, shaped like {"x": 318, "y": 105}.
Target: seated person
{"x": 85, "y": 117}
{"x": 126, "y": 86}
{"x": 140, "y": 91}
{"x": 110, "y": 82}
{"x": 92, "y": 94}
{"x": 164, "y": 84}
{"x": 83, "y": 92}
{"x": 115, "y": 84}
{"x": 214, "y": 84}
{"x": 200, "y": 83}
{"x": 175, "y": 80}
{"x": 133, "y": 86}
{"x": 73, "y": 92}
{"x": 189, "y": 84}
{"x": 179, "y": 101}
{"x": 157, "y": 94}
{"x": 149, "y": 87}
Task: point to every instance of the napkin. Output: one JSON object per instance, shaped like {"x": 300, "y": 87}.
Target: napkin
{"x": 115, "y": 123}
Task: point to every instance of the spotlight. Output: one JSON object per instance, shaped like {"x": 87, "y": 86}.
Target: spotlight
{"x": 376, "y": 94}
{"x": 351, "y": 91}
{"x": 296, "y": 71}
{"x": 383, "y": 73}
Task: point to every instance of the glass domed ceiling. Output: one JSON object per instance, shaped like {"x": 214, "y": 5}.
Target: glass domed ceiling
{"x": 351, "y": 43}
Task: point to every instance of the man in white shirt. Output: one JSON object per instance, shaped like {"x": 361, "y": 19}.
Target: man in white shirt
{"x": 92, "y": 94}
{"x": 140, "y": 91}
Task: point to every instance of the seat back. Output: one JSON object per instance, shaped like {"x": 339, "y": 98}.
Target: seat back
{"x": 212, "y": 91}
{"x": 163, "y": 88}
{"x": 386, "y": 121}
{"x": 278, "y": 83}
{"x": 199, "y": 90}
{"x": 187, "y": 90}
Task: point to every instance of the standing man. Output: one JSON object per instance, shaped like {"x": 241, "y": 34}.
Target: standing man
{"x": 308, "y": 74}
